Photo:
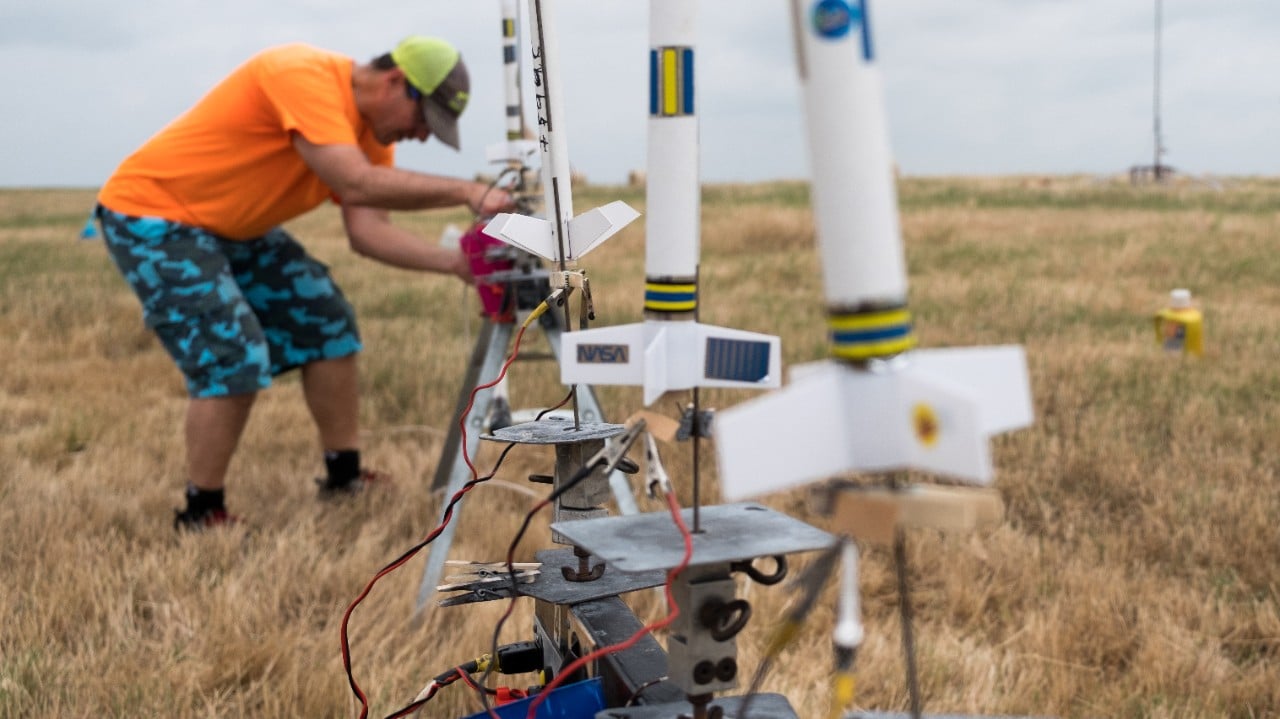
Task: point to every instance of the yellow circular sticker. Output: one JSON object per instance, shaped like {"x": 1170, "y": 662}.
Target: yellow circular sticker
{"x": 925, "y": 422}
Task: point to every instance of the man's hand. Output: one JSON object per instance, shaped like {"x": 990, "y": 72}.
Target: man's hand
{"x": 487, "y": 201}
{"x": 461, "y": 267}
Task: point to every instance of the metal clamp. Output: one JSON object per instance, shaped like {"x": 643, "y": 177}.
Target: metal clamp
{"x": 695, "y": 424}
{"x": 725, "y": 619}
{"x": 614, "y": 452}
{"x": 656, "y": 478}
{"x": 748, "y": 568}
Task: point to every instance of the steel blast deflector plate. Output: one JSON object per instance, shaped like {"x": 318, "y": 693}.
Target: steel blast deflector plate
{"x": 551, "y": 587}
{"x": 763, "y": 706}
{"x": 555, "y": 430}
{"x": 730, "y": 533}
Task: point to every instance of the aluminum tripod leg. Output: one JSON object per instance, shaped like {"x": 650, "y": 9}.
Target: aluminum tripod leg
{"x": 490, "y": 352}
{"x": 452, "y": 472}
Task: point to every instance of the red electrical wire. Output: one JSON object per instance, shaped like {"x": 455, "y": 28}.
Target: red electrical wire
{"x": 462, "y": 419}
{"x": 568, "y": 671}
{"x": 346, "y": 616}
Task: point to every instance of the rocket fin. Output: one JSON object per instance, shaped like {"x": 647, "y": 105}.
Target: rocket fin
{"x": 604, "y": 355}
{"x": 530, "y": 234}
{"x": 588, "y": 230}
{"x": 939, "y": 426}
{"x": 783, "y": 439}
{"x": 657, "y": 363}
{"x": 998, "y": 375}
{"x": 935, "y": 415}
{"x": 738, "y": 358}
{"x": 664, "y": 356}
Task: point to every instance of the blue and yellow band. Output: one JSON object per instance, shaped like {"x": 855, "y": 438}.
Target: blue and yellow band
{"x": 870, "y": 335}
{"x": 670, "y": 297}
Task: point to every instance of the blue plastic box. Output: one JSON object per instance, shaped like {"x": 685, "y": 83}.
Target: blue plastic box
{"x": 573, "y": 701}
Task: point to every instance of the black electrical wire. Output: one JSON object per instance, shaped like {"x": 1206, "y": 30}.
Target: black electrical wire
{"x": 397, "y": 563}
{"x": 574, "y": 481}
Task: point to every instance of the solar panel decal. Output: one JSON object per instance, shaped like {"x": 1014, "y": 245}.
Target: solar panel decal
{"x": 737, "y": 360}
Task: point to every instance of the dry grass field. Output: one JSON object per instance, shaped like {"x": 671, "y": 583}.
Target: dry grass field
{"x": 1136, "y": 573}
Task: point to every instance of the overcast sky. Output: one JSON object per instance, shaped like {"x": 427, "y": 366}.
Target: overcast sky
{"x": 978, "y": 87}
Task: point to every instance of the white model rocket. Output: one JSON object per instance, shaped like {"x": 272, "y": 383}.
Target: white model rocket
{"x": 561, "y": 238}
{"x": 516, "y": 150}
{"x": 877, "y": 404}
{"x": 670, "y": 350}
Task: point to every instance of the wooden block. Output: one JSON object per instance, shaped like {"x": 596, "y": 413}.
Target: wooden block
{"x": 867, "y": 517}
{"x": 660, "y": 426}
{"x": 862, "y": 513}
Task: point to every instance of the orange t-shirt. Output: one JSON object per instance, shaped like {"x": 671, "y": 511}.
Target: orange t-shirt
{"x": 228, "y": 164}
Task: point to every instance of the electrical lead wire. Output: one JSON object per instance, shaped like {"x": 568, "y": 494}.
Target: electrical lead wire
{"x": 447, "y": 516}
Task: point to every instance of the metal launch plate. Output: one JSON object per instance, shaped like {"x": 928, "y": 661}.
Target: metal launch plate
{"x": 555, "y": 430}
{"x": 551, "y": 586}
{"x": 762, "y": 706}
{"x": 729, "y": 533}
{"x": 899, "y": 715}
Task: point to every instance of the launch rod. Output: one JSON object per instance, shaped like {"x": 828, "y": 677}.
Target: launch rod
{"x": 672, "y": 186}
{"x": 546, "y": 83}
{"x": 555, "y": 153}
{"x": 897, "y": 482}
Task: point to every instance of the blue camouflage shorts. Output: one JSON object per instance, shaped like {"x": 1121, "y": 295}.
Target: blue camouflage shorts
{"x": 232, "y": 314}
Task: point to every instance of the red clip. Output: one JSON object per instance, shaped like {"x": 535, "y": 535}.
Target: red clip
{"x": 506, "y": 695}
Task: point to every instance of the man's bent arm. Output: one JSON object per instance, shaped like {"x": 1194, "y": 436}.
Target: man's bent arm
{"x": 356, "y": 181}
{"x": 373, "y": 235}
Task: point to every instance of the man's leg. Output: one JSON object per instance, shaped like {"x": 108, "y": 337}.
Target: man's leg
{"x": 191, "y": 299}
{"x": 213, "y": 429}
{"x": 333, "y": 397}
{"x": 309, "y": 325}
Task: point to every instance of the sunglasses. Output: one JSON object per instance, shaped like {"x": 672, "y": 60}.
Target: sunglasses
{"x": 415, "y": 94}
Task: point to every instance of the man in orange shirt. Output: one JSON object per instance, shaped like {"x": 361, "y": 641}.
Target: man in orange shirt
{"x": 192, "y": 219}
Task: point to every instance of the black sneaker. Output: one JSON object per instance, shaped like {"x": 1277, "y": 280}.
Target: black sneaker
{"x": 190, "y": 520}
{"x": 368, "y": 478}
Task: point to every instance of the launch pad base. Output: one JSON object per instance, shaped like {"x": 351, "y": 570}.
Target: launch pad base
{"x": 762, "y": 706}
{"x": 729, "y": 533}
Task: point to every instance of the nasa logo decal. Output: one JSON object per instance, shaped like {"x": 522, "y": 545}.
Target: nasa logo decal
{"x": 833, "y": 18}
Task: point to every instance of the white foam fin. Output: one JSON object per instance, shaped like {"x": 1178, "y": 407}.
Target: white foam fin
{"x": 585, "y": 232}
{"x": 934, "y": 412}
{"x": 663, "y": 356}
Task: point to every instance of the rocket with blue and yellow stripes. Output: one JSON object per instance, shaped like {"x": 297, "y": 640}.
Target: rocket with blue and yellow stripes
{"x": 877, "y": 403}
{"x": 516, "y": 150}
{"x": 511, "y": 70}
{"x": 671, "y": 350}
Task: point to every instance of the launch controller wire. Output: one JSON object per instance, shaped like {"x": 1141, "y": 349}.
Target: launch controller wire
{"x": 447, "y": 515}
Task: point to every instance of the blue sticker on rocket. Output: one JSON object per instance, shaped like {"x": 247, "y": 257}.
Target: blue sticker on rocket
{"x": 834, "y": 19}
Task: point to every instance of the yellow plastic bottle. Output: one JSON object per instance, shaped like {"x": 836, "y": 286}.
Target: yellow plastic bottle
{"x": 1180, "y": 327}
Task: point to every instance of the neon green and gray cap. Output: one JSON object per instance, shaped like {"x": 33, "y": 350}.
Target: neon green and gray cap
{"x": 435, "y": 69}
